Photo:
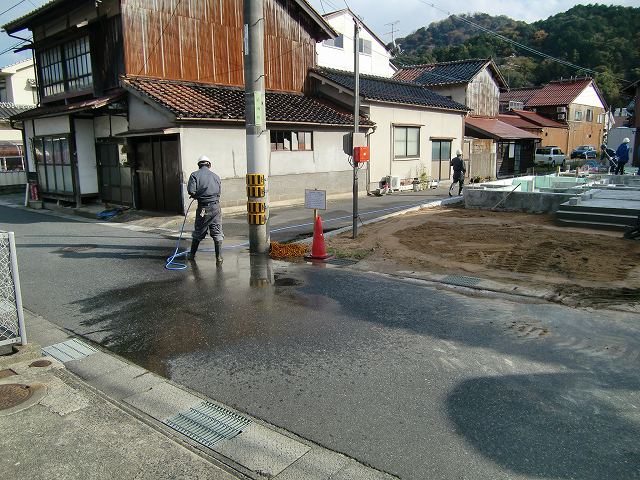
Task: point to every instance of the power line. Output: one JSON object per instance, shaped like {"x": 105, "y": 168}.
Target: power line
{"x": 11, "y": 8}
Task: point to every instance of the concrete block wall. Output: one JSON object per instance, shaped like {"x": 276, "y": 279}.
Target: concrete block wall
{"x": 290, "y": 188}
{"x": 532, "y": 202}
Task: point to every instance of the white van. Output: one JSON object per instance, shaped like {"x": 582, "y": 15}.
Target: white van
{"x": 551, "y": 155}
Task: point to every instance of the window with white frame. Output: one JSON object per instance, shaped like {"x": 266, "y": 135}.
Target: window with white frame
{"x": 364, "y": 46}
{"x": 600, "y": 118}
{"x": 337, "y": 42}
{"x": 406, "y": 142}
{"x": 286, "y": 140}
{"x": 577, "y": 116}
{"x": 66, "y": 67}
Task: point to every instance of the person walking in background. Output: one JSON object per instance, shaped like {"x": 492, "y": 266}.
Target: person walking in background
{"x": 458, "y": 172}
{"x": 623, "y": 156}
{"x": 205, "y": 187}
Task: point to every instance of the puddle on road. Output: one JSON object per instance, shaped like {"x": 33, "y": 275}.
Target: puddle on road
{"x": 248, "y": 300}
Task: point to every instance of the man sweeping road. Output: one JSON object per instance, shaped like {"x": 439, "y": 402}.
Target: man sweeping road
{"x": 205, "y": 187}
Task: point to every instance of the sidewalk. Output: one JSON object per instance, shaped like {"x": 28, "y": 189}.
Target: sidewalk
{"x": 286, "y": 222}
{"x": 92, "y": 415}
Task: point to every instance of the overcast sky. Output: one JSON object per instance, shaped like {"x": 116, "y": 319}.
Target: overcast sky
{"x": 411, "y": 14}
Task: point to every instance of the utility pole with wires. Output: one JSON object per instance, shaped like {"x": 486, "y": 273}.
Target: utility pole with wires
{"x": 356, "y": 119}
{"x": 257, "y": 140}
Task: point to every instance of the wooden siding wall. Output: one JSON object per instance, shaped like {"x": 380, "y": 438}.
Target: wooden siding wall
{"x": 201, "y": 40}
{"x": 483, "y": 94}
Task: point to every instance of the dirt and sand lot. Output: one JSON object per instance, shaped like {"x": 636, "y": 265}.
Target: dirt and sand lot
{"x": 583, "y": 267}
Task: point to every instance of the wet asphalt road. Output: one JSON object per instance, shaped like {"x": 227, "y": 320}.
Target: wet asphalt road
{"x": 415, "y": 381}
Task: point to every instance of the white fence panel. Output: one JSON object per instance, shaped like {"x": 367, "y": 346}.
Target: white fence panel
{"x": 11, "y": 315}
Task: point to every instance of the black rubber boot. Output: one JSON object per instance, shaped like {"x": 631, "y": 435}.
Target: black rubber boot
{"x": 194, "y": 248}
{"x": 218, "y": 247}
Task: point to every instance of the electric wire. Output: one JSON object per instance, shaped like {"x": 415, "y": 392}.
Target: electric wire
{"x": 11, "y": 8}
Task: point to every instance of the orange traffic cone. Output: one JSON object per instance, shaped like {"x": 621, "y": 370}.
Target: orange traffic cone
{"x": 318, "y": 249}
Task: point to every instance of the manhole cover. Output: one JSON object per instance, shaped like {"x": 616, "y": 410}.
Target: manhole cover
{"x": 7, "y": 373}
{"x": 77, "y": 248}
{"x": 341, "y": 262}
{"x": 40, "y": 363}
{"x": 13, "y": 394}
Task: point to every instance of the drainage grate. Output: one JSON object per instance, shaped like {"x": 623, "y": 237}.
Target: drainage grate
{"x": 341, "y": 262}
{"x": 208, "y": 424}
{"x": 461, "y": 280}
{"x": 69, "y": 350}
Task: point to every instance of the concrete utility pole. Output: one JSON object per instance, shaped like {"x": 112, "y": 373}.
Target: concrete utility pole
{"x": 356, "y": 120}
{"x": 256, "y": 124}
{"x": 393, "y": 31}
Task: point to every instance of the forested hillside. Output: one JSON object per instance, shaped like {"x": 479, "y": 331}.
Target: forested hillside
{"x": 597, "y": 37}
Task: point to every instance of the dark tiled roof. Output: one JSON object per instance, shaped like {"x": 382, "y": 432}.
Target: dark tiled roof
{"x": 561, "y": 92}
{"x": 447, "y": 73}
{"x": 88, "y": 104}
{"x": 10, "y": 109}
{"x": 188, "y": 100}
{"x": 389, "y": 90}
{"x": 518, "y": 95}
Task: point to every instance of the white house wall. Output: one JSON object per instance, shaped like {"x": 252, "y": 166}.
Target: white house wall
{"x": 377, "y": 63}
{"x": 86, "y": 152}
{"x": 18, "y": 90}
{"x": 51, "y": 126}
{"x": 142, "y": 116}
{"x": 109, "y": 125}
{"x": 589, "y": 98}
{"x": 433, "y": 124}
{"x": 326, "y": 167}
{"x": 458, "y": 93}
{"x": 28, "y": 134}
{"x": 10, "y": 134}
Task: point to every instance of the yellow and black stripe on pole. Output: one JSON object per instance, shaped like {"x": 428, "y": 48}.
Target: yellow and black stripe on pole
{"x": 256, "y": 209}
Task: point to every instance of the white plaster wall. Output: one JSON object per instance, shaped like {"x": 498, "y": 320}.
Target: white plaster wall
{"x": 51, "y": 125}
{"x": 342, "y": 58}
{"x": 433, "y": 123}
{"x": 226, "y": 147}
{"x": 109, "y": 125}
{"x": 589, "y": 97}
{"x": 458, "y": 93}
{"x": 86, "y": 149}
{"x": 18, "y": 91}
{"x": 10, "y": 134}
{"x": 142, "y": 116}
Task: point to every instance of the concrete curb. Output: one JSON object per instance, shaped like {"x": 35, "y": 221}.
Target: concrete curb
{"x": 259, "y": 451}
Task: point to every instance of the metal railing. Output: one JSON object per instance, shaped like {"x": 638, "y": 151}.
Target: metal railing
{"x": 12, "y": 328}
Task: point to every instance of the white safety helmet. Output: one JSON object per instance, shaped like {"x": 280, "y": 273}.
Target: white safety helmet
{"x": 458, "y": 152}
{"x": 204, "y": 161}
{"x": 626, "y": 140}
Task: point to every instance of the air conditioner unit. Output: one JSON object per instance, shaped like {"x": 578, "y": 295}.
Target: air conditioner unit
{"x": 393, "y": 182}
{"x": 561, "y": 109}
{"x": 562, "y": 116}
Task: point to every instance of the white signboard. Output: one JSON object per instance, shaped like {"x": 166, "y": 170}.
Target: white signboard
{"x": 316, "y": 199}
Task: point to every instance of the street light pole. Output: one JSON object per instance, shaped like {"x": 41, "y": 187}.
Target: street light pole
{"x": 257, "y": 138}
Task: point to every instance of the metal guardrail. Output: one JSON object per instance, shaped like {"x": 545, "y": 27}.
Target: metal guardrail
{"x": 12, "y": 328}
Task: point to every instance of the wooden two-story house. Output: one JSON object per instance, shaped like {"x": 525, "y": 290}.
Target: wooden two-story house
{"x": 132, "y": 92}
{"x": 491, "y": 148}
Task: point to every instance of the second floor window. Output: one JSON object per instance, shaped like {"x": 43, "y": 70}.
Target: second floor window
{"x": 337, "y": 42}
{"x": 364, "y": 46}
{"x": 66, "y": 67}
{"x": 578, "y": 116}
{"x": 589, "y": 115}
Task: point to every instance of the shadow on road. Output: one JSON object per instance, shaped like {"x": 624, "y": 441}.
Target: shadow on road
{"x": 551, "y": 425}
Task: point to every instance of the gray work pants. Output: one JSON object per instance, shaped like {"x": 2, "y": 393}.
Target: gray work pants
{"x": 208, "y": 219}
